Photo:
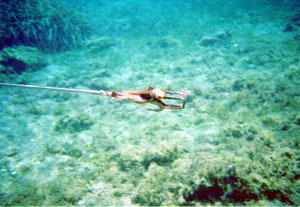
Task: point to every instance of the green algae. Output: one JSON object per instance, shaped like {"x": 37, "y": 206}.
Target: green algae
{"x": 225, "y": 179}
{"x": 73, "y": 124}
{"x": 47, "y": 25}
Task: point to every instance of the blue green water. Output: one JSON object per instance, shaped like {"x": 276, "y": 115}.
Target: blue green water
{"x": 237, "y": 141}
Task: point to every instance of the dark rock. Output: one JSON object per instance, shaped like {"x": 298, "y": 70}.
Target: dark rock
{"x": 73, "y": 124}
{"x": 208, "y": 41}
{"x": 20, "y": 59}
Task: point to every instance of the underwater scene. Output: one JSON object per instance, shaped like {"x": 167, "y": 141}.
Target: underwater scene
{"x": 236, "y": 141}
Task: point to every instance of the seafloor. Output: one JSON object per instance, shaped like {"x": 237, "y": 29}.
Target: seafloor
{"x": 237, "y": 142}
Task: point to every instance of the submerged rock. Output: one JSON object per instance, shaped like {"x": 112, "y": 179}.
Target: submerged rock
{"x": 12, "y": 151}
{"x": 73, "y": 124}
{"x": 294, "y": 23}
{"x": 208, "y": 41}
{"x": 20, "y": 59}
{"x": 221, "y": 37}
{"x": 98, "y": 44}
{"x": 72, "y": 151}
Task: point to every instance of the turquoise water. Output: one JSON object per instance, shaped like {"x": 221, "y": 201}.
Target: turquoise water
{"x": 236, "y": 142}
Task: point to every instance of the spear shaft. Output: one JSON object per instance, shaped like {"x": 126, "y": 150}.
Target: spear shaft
{"x": 52, "y": 88}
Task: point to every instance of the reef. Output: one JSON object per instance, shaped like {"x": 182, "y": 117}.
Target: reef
{"x": 47, "y": 25}
{"x": 16, "y": 60}
{"x": 294, "y": 23}
{"x": 73, "y": 124}
{"x": 222, "y": 179}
